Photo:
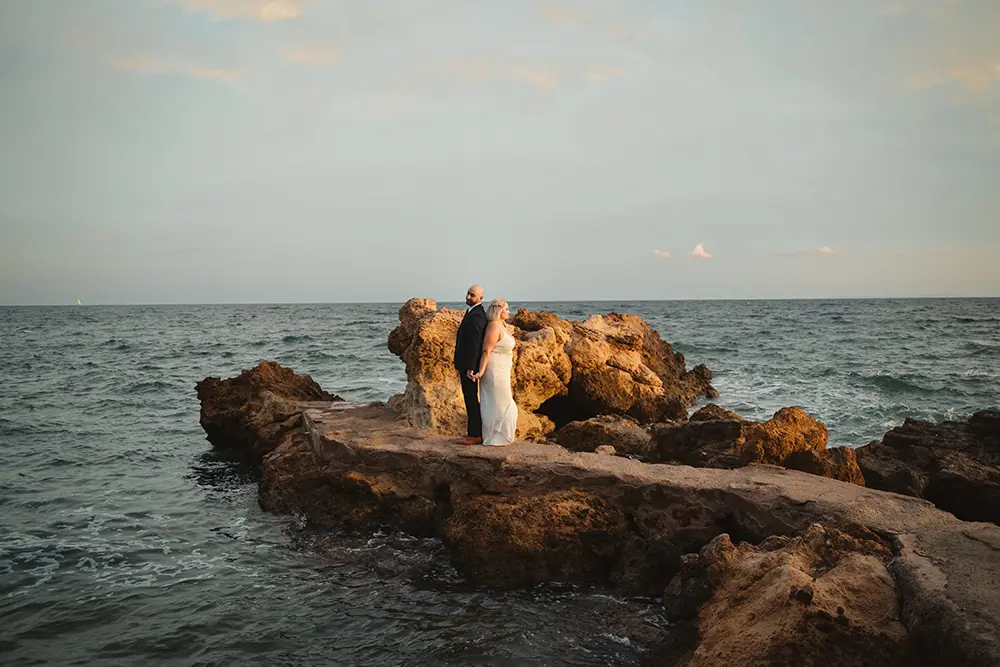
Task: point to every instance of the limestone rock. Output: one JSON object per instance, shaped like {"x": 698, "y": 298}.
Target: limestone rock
{"x": 789, "y": 430}
{"x": 954, "y": 465}
{"x": 250, "y": 413}
{"x": 568, "y": 536}
{"x": 824, "y": 598}
{"x": 700, "y": 443}
{"x": 834, "y": 462}
{"x": 563, "y": 371}
{"x": 623, "y": 434}
{"x": 714, "y": 412}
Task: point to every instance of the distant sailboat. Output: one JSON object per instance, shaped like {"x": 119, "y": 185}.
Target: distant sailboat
{"x": 78, "y": 302}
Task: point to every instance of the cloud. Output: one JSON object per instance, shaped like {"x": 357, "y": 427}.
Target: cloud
{"x": 317, "y": 56}
{"x": 699, "y": 252}
{"x": 262, "y": 10}
{"x": 477, "y": 73}
{"x": 662, "y": 254}
{"x": 146, "y": 66}
{"x": 826, "y": 250}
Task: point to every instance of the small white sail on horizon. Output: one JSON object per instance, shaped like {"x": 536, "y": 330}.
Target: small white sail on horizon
{"x": 78, "y": 302}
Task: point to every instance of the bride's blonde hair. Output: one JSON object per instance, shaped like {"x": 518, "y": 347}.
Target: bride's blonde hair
{"x": 496, "y": 307}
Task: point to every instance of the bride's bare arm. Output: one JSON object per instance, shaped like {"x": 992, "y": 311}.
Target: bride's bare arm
{"x": 490, "y": 338}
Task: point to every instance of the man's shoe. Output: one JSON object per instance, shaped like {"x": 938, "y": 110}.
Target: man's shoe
{"x": 470, "y": 441}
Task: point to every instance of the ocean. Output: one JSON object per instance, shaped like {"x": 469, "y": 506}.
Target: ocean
{"x": 125, "y": 540}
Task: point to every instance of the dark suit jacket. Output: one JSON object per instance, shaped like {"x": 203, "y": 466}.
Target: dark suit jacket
{"x": 469, "y": 342}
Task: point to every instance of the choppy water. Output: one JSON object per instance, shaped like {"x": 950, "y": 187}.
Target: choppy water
{"x": 123, "y": 540}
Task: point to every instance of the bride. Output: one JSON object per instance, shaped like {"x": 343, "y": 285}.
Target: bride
{"x": 496, "y": 399}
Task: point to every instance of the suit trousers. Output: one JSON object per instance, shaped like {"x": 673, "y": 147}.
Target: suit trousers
{"x": 470, "y": 391}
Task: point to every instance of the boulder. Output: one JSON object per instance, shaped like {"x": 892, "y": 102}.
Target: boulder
{"x": 823, "y": 598}
{"x": 955, "y": 465}
{"x": 250, "y": 414}
{"x": 700, "y": 443}
{"x": 563, "y": 370}
{"x": 712, "y": 412}
{"x": 789, "y": 430}
{"x": 623, "y": 434}
{"x": 834, "y": 462}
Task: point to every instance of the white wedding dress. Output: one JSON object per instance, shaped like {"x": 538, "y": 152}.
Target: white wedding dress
{"x": 496, "y": 398}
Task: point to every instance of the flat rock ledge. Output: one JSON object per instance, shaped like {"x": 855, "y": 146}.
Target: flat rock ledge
{"x": 756, "y": 566}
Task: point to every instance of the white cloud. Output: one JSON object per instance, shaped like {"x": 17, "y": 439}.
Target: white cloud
{"x": 826, "y": 250}
{"x": 262, "y": 10}
{"x": 699, "y": 252}
{"x": 662, "y": 254}
{"x": 822, "y": 251}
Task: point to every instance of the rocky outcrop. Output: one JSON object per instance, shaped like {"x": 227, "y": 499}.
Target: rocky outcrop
{"x": 822, "y": 598}
{"x": 834, "y": 462}
{"x": 622, "y": 433}
{"x": 713, "y": 412}
{"x": 563, "y": 370}
{"x": 954, "y": 465}
{"x": 716, "y": 438}
{"x": 251, "y": 413}
{"x": 528, "y": 513}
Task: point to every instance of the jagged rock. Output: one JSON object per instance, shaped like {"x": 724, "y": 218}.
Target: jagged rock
{"x": 789, "y": 430}
{"x": 823, "y": 598}
{"x": 570, "y": 536}
{"x": 541, "y": 511}
{"x": 605, "y": 450}
{"x": 700, "y": 443}
{"x": 623, "y": 434}
{"x": 563, "y": 371}
{"x": 251, "y": 413}
{"x": 834, "y": 462}
{"x": 954, "y": 465}
{"x": 712, "y": 412}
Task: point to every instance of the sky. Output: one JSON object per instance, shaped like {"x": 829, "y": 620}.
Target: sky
{"x": 268, "y": 151}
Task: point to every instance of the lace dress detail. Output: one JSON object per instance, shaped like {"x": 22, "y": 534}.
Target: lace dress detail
{"x": 496, "y": 398}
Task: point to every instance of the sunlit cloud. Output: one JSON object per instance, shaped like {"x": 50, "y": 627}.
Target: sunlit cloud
{"x": 477, "y": 73}
{"x": 318, "y": 56}
{"x": 662, "y": 254}
{"x": 826, "y": 250}
{"x": 147, "y": 66}
{"x": 262, "y": 10}
{"x": 699, "y": 252}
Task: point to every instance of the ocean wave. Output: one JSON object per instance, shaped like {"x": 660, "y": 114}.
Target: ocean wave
{"x": 293, "y": 338}
{"x": 890, "y": 383}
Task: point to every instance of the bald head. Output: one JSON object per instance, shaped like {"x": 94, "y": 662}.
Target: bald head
{"x": 474, "y": 295}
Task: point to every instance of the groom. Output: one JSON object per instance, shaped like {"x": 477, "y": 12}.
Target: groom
{"x": 468, "y": 349}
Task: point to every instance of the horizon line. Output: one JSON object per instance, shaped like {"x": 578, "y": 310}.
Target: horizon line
{"x": 373, "y": 303}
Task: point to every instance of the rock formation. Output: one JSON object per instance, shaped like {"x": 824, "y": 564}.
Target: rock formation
{"x": 622, "y": 433}
{"x": 717, "y": 438}
{"x": 249, "y": 414}
{"x": 954, "y": 465}
{"x": 756, "y": 565}
{"x": 563, "y": 370}
{"x": 822, "y": 598}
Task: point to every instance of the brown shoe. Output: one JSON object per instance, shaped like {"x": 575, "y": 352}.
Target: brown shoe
{"x": 470, "y": 441}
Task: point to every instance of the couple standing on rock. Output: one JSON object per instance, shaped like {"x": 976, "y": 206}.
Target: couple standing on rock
{"x": 484, "y": 351}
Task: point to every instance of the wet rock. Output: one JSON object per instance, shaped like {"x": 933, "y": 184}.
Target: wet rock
{"x": 251, "y": 413}
{"x": 954, "y": 465}
{"x": 623, "y": 434}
